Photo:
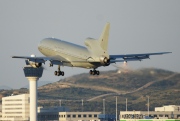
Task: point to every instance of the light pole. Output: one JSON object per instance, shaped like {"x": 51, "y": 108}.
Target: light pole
{"x": 116, "y": 108}
{"x": 60, "y": 103}
{"x": 148, "y": 106}
{"x": 82, "y": 105}
{"x": 126, "y": 104}
{"x": 104, "y": 106}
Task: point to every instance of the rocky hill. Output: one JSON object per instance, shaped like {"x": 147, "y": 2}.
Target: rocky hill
{"x": 162, "y": 86}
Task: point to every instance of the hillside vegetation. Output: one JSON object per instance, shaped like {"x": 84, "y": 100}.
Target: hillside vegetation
{"x": 162, "y": 86}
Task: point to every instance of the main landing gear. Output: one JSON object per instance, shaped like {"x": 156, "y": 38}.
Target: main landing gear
{"x": 94, "y": 72}
{"x": 59, "y": 73}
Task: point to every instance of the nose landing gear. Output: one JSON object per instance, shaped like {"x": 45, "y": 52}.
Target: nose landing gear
{"x": 94, "y": 72}
{"x": 59, "y": 73}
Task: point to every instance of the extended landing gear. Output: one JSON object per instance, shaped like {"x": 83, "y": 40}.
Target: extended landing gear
{"x": 59, "y": 73}
{"x": 94, "y": 72}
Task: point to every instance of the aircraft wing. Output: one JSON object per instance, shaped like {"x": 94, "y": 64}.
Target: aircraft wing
{"x": 133, "y": 57}
{"x": 57, "y": 60}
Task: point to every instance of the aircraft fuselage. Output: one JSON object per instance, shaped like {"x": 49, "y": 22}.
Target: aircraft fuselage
{"x": 76, "y": 55}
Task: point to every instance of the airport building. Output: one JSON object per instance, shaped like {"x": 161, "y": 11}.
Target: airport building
{"x": 79, "y": 116}
{"x": 50, "y": 113}
{"x": 107, "y": 117}
{"x": 15, "y": 108}
{"x": 161, "y": 113}
{"x": 63, "y": 114}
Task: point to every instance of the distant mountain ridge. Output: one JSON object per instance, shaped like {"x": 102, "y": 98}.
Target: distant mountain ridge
{"x": 5, "y": 87}
{"x": 40, "y": 83}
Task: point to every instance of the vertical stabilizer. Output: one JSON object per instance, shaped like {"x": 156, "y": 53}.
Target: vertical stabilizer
{"x": 104, "y": 37}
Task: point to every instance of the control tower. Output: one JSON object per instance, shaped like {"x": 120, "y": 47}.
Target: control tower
{"x": 33, "y": 74}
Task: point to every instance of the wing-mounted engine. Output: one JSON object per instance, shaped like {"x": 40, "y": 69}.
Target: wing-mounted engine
{"x": 36, "y": 63}
{"x": 33, "y": 64}
{"x": 104, "y": 60}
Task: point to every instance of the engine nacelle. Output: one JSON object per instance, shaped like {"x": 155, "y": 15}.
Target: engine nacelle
{"x": 105, "y": 61}
{"x": 35, "y": 65}
{"x": 32, "y": 63}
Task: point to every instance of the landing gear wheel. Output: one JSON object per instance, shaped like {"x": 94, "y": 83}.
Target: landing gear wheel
{"x": 90, "y": 72}
{"x": 58, "y": 73}
{"x": 94, "y": 72}
{"x": 55, "y": 73}
{"x": 97, "y": 73}
{"x": 62, "y": 73}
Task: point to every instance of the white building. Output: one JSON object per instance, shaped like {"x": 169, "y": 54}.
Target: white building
{"x": 174, "y": 108}
{"x": 79, "y": 116}
{"x": 165, "y": 112}
{"x": 15, "y": 108}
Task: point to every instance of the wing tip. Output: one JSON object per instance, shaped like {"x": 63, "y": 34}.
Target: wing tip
{"x": 13, "y": 56}
{"x": 166, "y": 52}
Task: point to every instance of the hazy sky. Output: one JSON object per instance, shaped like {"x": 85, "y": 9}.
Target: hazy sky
{"x": 137, "y": 26}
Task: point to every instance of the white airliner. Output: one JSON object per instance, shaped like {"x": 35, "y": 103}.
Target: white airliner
{"x": 94, "y": 55}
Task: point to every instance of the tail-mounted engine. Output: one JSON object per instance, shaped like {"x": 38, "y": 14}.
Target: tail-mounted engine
{"x": 105, "y": 61}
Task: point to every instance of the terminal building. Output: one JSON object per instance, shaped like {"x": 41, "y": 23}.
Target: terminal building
{"x": 165, "y": 112}
{"x": 51, "y": 113}
{"x": 79, "y": 116}
{"x": 68, "y": 116}
{"x": 63, "y": 114}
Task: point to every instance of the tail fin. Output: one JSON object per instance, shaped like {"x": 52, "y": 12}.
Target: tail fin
{"x": 104, "y": 37}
